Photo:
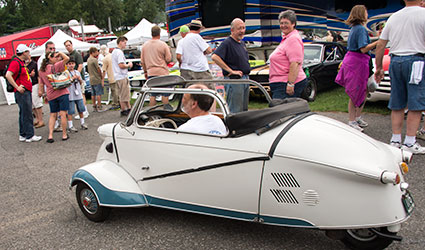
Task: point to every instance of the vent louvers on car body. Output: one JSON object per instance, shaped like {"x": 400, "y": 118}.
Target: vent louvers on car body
{"x": 284, "y": 196}
{"x": 285, "y": 180}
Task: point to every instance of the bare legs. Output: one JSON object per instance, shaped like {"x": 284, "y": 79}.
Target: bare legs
{"x": 52, "y": 119}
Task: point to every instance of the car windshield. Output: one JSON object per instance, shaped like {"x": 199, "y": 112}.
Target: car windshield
{"x": 312, "y": 53}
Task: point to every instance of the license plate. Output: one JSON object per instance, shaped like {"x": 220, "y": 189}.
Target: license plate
{"x": 408, "y": 202}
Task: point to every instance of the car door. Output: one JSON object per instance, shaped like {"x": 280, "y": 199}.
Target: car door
{"x": 201, "y": 173}
{"x": 330, "y": 64}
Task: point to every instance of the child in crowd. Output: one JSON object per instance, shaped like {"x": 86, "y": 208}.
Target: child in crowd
{"x": 75, "y": 97}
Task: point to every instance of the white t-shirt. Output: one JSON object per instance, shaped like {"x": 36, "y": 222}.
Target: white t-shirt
{"x": 192, "y": 49}
{"x": 405, "y": 30}
{"x": 117, "y": 58}
{"x": 40, "y": 60}
{"x": 204, "y": 124}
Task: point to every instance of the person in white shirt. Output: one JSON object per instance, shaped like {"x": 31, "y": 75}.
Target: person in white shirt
{"x": 120, "y": 68}
{"x": 184, "y": 30}
{"x": 191, "y": 53}
{"x": 197, "y": 107}
{"x": 406, "y": 33}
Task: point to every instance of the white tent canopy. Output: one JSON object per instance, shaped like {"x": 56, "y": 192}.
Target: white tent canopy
{"x": 59, "y": 38}
{"x": 140, "y": 34}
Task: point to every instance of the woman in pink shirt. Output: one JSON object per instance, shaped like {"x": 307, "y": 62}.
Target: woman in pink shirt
{"x": 58, "y": 99}
{"x": 287, "y": 78}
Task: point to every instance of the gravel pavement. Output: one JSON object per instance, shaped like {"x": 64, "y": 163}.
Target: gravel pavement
{"x": 38, "y": 211}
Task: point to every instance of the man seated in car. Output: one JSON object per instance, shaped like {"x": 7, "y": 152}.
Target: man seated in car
{"x": 197, "y": 107}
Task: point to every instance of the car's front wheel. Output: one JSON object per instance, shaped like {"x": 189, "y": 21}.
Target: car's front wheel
{"x": 310, "y": 91}
{"x": 89, "y": 204}
{"x": 366, "y": 239}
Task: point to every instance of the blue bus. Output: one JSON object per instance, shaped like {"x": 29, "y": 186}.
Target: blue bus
{"x": 261, "y": 15}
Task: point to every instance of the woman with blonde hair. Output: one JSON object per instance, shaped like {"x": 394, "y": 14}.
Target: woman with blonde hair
{"x": 354, "y": 72}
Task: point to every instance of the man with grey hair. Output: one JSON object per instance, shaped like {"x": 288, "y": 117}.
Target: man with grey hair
{"x": 405, "y": 30}
{"x": 232, "y": 57}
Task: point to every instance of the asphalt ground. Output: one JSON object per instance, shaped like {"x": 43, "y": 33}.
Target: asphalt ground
{"x": 38, "y": 211}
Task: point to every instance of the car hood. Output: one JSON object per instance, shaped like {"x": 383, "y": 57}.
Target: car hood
{"x": 331, "y": 143}
{"x": 308, "y": 64}
{"x": 105, "y": 130}
{"x": 264, "y": 69}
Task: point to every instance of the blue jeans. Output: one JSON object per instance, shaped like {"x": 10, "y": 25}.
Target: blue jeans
{"x": 237, "y": 96}
{"x": 278, "y": 89}
{"x": 403, "y": 93}
{"x": 26, "y": 126}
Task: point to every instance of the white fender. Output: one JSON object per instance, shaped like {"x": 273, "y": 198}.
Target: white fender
{"x": 111, "y": 183}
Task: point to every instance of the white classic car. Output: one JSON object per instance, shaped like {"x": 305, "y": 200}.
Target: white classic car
{"x": 282, "y": 165}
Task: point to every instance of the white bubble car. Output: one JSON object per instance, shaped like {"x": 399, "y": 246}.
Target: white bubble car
{"x": 282, "y": 165}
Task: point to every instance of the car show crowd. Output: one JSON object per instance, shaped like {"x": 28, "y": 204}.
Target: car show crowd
{"x": 404, "y": 30}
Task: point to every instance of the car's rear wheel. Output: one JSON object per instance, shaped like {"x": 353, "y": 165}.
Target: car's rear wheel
{"x": 310, "y": 91}
{"x": 366, "y": 239}
{"x": 89, "y": 204}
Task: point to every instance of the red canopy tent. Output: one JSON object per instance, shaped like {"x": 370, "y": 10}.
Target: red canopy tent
{"x": 32, "y": 38}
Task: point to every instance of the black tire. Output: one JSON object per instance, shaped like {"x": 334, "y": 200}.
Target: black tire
{"x": 365, "y": 239}
{"x": 310, "y": 91}
{"x": 89, "y": 205}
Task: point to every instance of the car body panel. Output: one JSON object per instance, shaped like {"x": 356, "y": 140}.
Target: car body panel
{"x": 303, "y": 170}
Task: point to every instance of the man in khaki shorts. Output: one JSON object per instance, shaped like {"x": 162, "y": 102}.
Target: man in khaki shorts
{"x": 120, "y": 67}
{"x": 191, "y": 53}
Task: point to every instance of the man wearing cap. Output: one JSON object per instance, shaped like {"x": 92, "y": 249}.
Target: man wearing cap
{"x": 18, "y": 76}
{"x": 183, "y": 32}
{"x": 232, "y": 57}
{"x": 191, "y": 53}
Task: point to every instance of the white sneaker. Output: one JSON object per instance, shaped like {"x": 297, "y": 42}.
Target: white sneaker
{"x": 414, "y": 149}
{"x": 396, "y": 144}
{"x": 86, "y": 114}
{"x": 361, "y": 123}
{"x": 22, "y": 139}
{"x": 34, "y": 138}
{"x": 77, "y": 117}
{"x": 355, "y": 126}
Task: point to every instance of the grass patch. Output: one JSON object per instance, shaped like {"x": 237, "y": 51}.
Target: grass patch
{"x": 332, "y": 100}
{"x": 337, "y": 100}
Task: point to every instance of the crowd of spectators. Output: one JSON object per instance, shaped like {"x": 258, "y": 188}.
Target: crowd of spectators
{"x": 287, "y": 78}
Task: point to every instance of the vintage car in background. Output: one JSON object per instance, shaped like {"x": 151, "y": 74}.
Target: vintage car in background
{"x": 321, "y": 61}
{"x": 281, "y": 165}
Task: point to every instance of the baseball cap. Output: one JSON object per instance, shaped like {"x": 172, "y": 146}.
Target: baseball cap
{"x": 196, "y": 23}
{"x": 22, "y": 48}
{"x": 184, "y": 29}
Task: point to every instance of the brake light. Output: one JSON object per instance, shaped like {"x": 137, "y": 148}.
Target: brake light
{"x": 390, "y": 177}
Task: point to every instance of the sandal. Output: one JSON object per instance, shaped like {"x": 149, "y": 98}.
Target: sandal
{"x": 50, "y": 140}
{"x": 64, "y": 139}
{"x": 39, "y": 125}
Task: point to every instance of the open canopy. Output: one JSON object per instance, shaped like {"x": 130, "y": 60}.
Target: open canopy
{"x": 140, "y": 34}
{"x": 31, "y": 38}
{"x": 59, "y": 38}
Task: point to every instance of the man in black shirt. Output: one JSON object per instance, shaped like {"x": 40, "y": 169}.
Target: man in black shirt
{"x": 232, "y": 57}
{"x": 37, "y": 101}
